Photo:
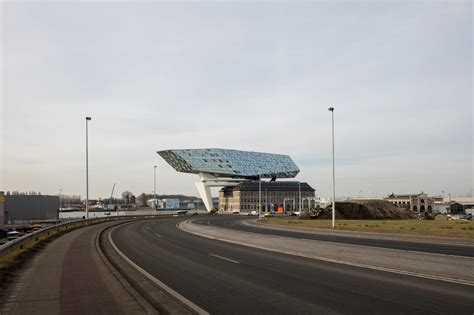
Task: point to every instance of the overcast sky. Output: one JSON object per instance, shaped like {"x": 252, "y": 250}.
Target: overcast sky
{"x": 249, "y": 76}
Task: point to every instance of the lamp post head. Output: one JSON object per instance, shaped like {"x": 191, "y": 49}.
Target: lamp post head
{"x": 331, "y": 109}
{"x": 88, "y": 118}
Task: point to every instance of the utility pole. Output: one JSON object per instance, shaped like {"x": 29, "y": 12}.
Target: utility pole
{"x": 87, "y": 167}
{"x": 331, "y": 109}
{"x": 259, "y": 195}
{"x": 154, "y": 181}
{"x": 299, "y": 196}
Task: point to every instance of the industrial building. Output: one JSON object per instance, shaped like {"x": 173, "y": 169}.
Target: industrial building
{"x": 21, "y": 209}
{"x": 228, "y": 168}
{"x": 284, "y": 196}
{"x": 163, "y": 204}
{"x": 2, "y": 215}
{"x": 461, "y": 208}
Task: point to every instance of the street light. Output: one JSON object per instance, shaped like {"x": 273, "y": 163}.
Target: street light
{"x": 154, "y": 181}
{"x": 259, "y": 195}
{"x": 299, "y": 197}
{"x": 266, "y": 200}
{"x": 87, "y": 167}
{"x": 331, "y": 109}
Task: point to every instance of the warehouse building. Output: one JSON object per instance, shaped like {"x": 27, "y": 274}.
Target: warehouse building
{"x": 23, "y": 209}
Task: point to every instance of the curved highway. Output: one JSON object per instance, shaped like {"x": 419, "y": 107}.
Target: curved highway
{"x": 236, "y": 223}
{"x": 227, "y": 278}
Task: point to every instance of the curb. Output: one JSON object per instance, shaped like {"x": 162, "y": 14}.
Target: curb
{"x": 156, "y": 293}
{"x": 149, "y": 309}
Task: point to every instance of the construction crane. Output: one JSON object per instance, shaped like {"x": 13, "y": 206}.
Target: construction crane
{"x": 111, "y": 195}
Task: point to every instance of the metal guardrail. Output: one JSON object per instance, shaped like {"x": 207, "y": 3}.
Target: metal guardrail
{"x": 20, "y": 242}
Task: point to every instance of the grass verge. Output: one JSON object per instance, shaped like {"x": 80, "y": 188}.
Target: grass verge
{"x": 453, "y": 228}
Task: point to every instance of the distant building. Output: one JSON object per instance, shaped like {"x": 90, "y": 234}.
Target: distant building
{"x": 459, "y": 199}
{"x": 283, "y": 195}
{"x": 26, "y": 208}
{"x": 2, "y": 215}
{"x": 164, "y": 204}
{"x": 225, "y": 168}
{"x": 462, "y": 208}
{"x": 415, "y": 202}
{"x": 168, "y": 204}
{"x": 443, "y": 208}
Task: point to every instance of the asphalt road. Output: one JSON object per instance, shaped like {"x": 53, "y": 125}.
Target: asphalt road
{"x": 224, "y": 278}
{"x": 236, "y": 223}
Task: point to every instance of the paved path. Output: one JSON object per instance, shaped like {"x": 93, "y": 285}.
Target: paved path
{"x": 69, "y": 277}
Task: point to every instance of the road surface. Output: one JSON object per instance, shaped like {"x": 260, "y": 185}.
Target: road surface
{"x": 236, "y": 223}
{"x": 227, "y": 278}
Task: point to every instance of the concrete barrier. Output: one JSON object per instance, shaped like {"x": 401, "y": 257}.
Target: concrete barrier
{"x": 19, "y": 243}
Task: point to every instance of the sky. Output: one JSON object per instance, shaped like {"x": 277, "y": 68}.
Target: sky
{"x": 255, "y": 76}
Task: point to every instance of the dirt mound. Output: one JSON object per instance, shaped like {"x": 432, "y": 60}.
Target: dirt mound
{"x": 367, "y": 210}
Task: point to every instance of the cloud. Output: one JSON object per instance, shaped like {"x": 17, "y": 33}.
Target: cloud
{"x": 250, "y": 76}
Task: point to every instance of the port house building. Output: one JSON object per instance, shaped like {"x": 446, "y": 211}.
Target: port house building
{"x": 283, "y": 196}
{"x": 239, "y": 172}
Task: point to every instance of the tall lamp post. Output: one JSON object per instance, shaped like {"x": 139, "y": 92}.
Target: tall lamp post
{"x": 299, "y": 198}
{"x": 87, "y": 167}
{"x": 331, "y": 109}
{"x": 259, "y": 195}
{"x": 154, "y": 184}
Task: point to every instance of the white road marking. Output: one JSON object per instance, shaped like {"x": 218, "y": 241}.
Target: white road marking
{"x": 170, "y": 291}
{"x": 228, "y": 259}
{"x": 337, "y": 261}
{"x": 158, "y": 235}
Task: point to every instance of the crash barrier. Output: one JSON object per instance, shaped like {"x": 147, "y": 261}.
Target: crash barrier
{"x": 20, "y": 243}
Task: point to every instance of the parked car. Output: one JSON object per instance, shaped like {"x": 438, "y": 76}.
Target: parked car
{"x": 268, "y": 214}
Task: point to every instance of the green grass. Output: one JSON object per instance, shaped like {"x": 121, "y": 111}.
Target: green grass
{"x": 413, "y": 227}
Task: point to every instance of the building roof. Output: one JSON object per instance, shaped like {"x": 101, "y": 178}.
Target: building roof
{"x": 392, "y": 195}
{"x": 231, "y": 163}
{"x": 271, "y": 186}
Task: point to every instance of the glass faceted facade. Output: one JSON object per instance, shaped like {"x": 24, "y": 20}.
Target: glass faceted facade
{"x": 231, "y": 163}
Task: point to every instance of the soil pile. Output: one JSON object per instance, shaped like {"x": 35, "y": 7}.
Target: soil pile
{"x": 367, "y": 210}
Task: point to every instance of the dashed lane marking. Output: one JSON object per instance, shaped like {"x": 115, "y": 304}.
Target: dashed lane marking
{"x": 228, "y": 259}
